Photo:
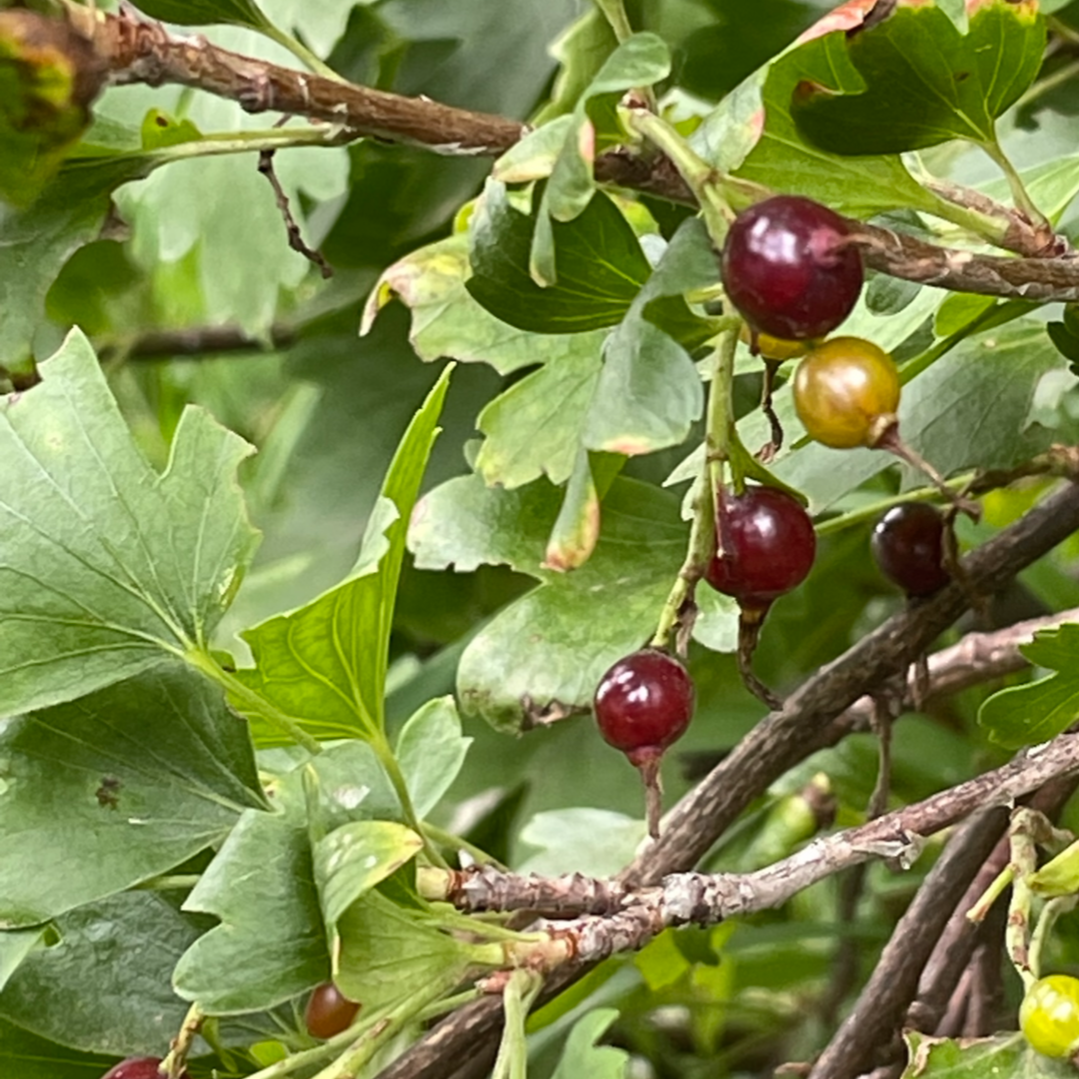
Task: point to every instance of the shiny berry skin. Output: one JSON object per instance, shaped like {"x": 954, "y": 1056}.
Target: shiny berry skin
{"x": 1049, "y": 1015}
{"x": 908, "y": 545}
{"x": 787, "y": 269}
{"x": 768, "y": 545}
{"x": 846, "y": 391}
{"x": 136, "y": 1068}
{"x": 328, "y": 1011}
{"x": 644, "y": 703}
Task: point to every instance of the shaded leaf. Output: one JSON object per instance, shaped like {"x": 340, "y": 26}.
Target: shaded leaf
{"x": 923, "y": 82}
{"x": 600, "y": 266}
{"x": 115, "y": 788}
{"x": 104, "y": 564}
{"x": 447, "y": 321}
{"x": 30, "y": 1057}
{"x": 15, "y": 946}
{"x": 576, "y": 529}
{"x": 270, "y": 944}
{"x": 105, "y": 987}
{"x": 388, "y": 953}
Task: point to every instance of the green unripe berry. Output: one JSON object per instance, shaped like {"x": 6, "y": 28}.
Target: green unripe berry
{"x": 1049, "y": 1015}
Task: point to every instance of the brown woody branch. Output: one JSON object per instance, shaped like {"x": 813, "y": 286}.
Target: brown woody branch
{"x": 135, "y": 51}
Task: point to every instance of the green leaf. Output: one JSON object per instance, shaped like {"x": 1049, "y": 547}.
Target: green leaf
{"x": 649, "y": 392}
{"x": 777, "y": 155}
{"x": 431, "y": 750}
{"x": 583, "y": 1056}
{"x": 447, "y": 321}
{"x": 159, "y": 129}
{"x": 270, "y": 944}
{"x": 534, "y": 428}
{"x": 600, "y": 266}
{"x": 325, "y": 664}
{"x": 352, "y": 859}
{"x": 388, "y": 953}
{"x": 206, "y": 12}
{"x": 115, "y": 788}
{"x": 923, "y": 82}
{"x": 49, "y": 75}
{"x": 1059, "y": 876}
{"x": 551, "y": 646}
{"x": 104, "y": 564}
{"x": 1025, "y": 715}
{"x": 105, "y": 987}
{"x": 976, "y": 1058}
{"x": 30, "y": 1057}
{"x": 15, "y": 946}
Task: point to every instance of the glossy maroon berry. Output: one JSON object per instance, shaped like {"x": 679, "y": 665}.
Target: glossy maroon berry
{"x": 908, "y": 544}
{"x": 644, "y": 703}
{"x": 328, "y": 1011}
{"x": 787, "y": 268}
{"x": 768, "y": 545}
{"x": 137, "y": 1068}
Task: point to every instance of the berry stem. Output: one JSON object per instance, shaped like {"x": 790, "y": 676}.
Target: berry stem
{"x": 172, "y": 1067}
{"x": 749, "y": 631}
{"x": 891, "y": 441}
{"x": 715, "y": 191}
{"x": 1052, "y": 910}
{"x": 653, "y": 792}
{"x": 679, "y": 610}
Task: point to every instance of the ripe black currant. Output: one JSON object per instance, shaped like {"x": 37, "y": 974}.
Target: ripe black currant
{"x": 788, "y": 267}
{"x": 642, "y": 705}
{"x": 908, "y": 545}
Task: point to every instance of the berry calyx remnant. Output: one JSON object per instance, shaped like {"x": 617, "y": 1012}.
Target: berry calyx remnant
{"x": 846, "y": 392}
{"x": 643, "y": 704}
{"x": 137, "y": 1068}
{"x": 908, "y": 545}
{"x": 328, "y": 1011}
{"x": 765, "y": 546}
{"x": 1049, "y": 1015}
{"x": 789, "y": 268}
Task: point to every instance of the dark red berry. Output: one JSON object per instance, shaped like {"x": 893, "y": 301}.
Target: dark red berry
{"x": 328, "y": 1011}
{"x": 788, "y": 269}
{"x": 644, "y": 703}
{"x": 137, "y": 1068}
{"x": 908, "y": 544}
{"x": 767, "y": 545}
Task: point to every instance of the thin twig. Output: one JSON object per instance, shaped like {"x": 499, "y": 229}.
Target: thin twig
{"x": 295, "y": 236}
